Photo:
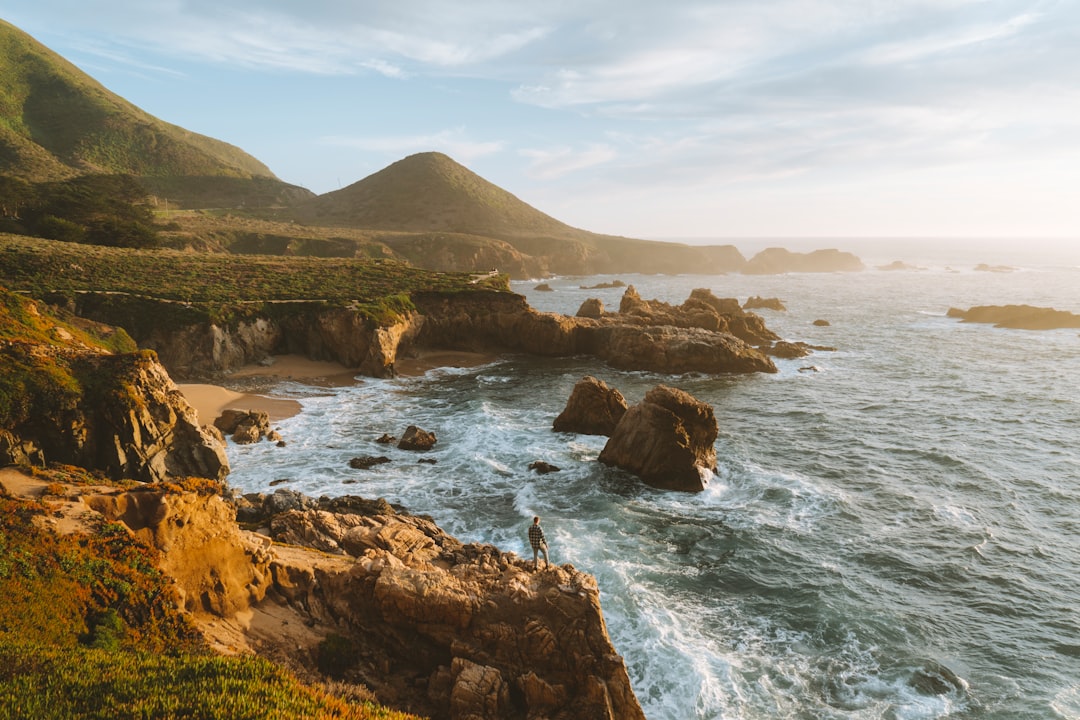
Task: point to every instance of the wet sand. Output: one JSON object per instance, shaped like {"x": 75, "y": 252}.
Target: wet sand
{"x": 210, "y": 400}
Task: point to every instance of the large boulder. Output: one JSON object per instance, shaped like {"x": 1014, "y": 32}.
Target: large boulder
{"x": 667, "y": 440}
{"x": 593, "y": 409}
{"x": 591, "y": 308}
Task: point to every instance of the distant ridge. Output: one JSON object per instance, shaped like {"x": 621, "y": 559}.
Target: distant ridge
{"x": 57, "y": 122}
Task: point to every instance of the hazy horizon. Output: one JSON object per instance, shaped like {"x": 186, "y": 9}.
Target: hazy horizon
{"x": 876, "y": 250}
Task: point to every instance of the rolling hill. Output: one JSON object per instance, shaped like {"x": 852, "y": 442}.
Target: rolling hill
{"x": 57, "y": 122}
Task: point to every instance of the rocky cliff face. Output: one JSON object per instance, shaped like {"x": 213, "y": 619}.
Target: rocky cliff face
{"x": 148, "y": 433}
{"x": 67, "y": 401}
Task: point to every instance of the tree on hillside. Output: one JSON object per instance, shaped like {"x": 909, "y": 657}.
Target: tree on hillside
{"x": 95, "y": 209}
{"x": 15, "y": 194}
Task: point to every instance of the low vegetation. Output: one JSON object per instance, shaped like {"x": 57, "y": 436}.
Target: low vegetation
{"x": 215, "y": 287}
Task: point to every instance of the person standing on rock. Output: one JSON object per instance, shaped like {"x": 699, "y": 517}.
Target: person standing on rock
{"x": 539, "y": 543}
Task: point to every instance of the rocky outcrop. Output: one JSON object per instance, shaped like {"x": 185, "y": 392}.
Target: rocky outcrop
{"x": 129, "y": 421}
{"x": 469, "y": 627}
{"x": 701, "y": 310}
{"x": 593, "y": 409}
{"x": 1019, "y": 317}
{"x": 217, "y": 568}
{"x": 667, "y": 440}
{"x": 697, "y": 337}
{"x": 775, "y": 261}
{"x": 446, "y": 629}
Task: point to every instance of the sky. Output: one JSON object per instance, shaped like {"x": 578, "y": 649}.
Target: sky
{"x": 674, "y": 119}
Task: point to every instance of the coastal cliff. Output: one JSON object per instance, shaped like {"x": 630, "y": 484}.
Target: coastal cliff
{"x": 704, "y": 335}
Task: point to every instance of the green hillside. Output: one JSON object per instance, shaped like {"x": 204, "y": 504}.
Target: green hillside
{"x": 430, "y": 192}
{"x": 56, "y": 122}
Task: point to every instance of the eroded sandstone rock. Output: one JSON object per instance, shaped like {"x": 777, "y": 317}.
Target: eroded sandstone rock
{"x": 217, "y": 568}
{"x": 667, "y": 440}
{"x": 470, "y": 628}
{"x": 592, "y": 409}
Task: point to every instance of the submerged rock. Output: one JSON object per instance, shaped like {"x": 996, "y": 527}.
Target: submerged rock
{"x": 366, "y": 462}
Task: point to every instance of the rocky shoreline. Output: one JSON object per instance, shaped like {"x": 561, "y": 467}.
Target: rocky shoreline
{"x": 704, "y": 334}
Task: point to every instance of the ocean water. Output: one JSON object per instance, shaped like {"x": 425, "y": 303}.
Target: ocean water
{"x": 893, "y": 530}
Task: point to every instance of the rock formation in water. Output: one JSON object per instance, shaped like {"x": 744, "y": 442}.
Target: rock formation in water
{"x": 246, "y": 426}
{"x": 667, "y": 440}
{"x": 593, "y": 409}
{"x": 415, "y": 438}
{"x": 759, "y": 303}
{"x": 1019, "y": 317}
{"x": 775, "y": 261}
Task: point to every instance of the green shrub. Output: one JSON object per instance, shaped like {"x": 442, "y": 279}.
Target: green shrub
{"x": 337, "y": 655}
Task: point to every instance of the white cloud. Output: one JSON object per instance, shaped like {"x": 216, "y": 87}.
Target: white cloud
{"x": 453, "y": 142}
{"x": 553, "y": 163}
{"x": 938, "y": 43}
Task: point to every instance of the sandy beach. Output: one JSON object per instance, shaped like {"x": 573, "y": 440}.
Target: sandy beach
{"x": 210, "y": 400}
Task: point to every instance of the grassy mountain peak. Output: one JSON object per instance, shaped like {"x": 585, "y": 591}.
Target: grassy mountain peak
{"x": 57, "y": 122}
{"x": 429, "y": 192}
